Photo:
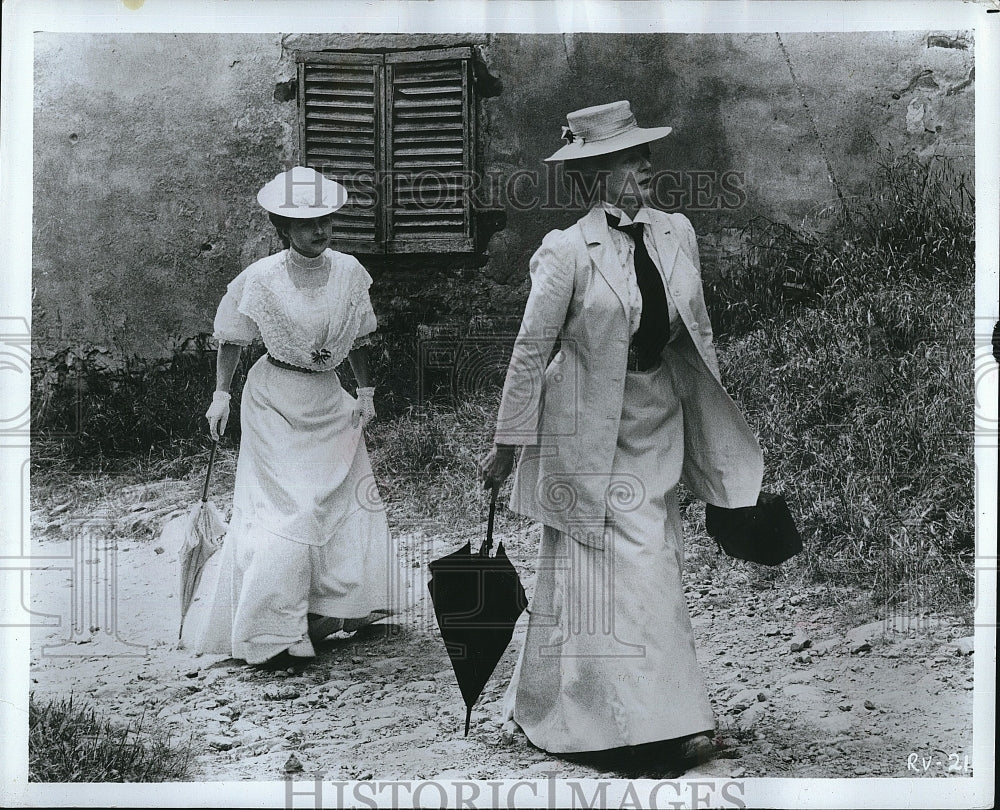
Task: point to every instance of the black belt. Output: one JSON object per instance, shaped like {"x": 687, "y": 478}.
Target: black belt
{"x": 634, "y": 362}
{"x": 282, "y": 364}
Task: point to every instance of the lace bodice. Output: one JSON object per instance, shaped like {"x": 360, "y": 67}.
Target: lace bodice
{"x": 309, "y": 312}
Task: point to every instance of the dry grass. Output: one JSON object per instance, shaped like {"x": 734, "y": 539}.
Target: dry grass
{"x": 68, "y": 742}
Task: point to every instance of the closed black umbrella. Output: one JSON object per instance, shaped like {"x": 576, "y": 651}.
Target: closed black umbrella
{"x": 477, "y": 600}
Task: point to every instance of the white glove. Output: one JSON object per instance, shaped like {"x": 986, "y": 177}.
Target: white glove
{"x": 366, "y": 405}
{"x": 218, "y": 414}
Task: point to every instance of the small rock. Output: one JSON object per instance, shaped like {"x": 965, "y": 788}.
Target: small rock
{"x": 281, "y": 693}
{"x": 743, "y": 700}
{"x": 966, "y": 646}
{"x": 192, "y": 674}
{"x": 796, "y": 599}
{"x": 762, "y": 696}
{"x": 388, "y": 666}
{"x": 845, "y": 707}
{"x": 865, "y": 632}
{"x": 221, "y": 743}
{"x": 869, "y": 705}
{"x": 823, "y": 647}
{"x": 292, "y": 765}
{"x": 158, "y": 550}
{"x": 861, "y": 648}
{"x": 750, "y": 717}
{"x": 799, "y": 643}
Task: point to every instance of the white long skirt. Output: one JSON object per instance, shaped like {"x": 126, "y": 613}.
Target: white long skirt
{"x": 609, "y": 656}
{"x": 308, "y": 532}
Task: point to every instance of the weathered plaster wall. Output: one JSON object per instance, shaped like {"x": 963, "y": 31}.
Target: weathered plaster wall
{"x": 734, "y": 106}
{"x": 149, "y": 150}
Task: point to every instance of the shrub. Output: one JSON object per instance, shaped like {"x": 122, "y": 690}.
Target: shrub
{"x": 91, "y": 414}
{"x": 427, "y": 458}
{"x": 861, "y": 392}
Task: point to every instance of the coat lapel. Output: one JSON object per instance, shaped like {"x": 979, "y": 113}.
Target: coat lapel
{"x": 672, "y": 261}
{"x": 594, "y": 227}
{"x": 667, "y": 247}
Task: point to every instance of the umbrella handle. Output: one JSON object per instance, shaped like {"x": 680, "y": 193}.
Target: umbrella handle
{"x": 484, "y": 550}
{"x": 208, "y": 473}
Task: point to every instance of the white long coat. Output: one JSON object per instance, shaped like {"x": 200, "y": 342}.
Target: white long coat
{"x": 566, "y": 412}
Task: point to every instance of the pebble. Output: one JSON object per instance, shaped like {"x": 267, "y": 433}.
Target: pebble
{"x": 845, "y": 707}
{"x": 750, "y": 717}
{"x": 158, "y": 550}
{"x": 966, "y": 646}
{"x": 221, "y": 743}
{"x": 869, "y": 705}
{"x": 799, "y": 643}
{"x": 860, "y": 648}
{"x": 292, "y": 765}
{"x": 351, "y": 692}
{"x": 743, "y": 700}
{"x": 282, "y": 693}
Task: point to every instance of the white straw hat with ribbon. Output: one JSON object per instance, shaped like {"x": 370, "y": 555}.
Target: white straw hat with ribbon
{"x": 302, "y": 193}
{"x": 604, "y": 129}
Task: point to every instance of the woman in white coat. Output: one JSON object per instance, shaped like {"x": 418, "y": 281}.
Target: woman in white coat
{"x": 308, "y": 552}
{"x": 630, "y": 405}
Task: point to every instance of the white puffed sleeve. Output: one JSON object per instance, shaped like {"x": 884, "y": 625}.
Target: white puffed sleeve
{"x": 367, "y": 322}
{"x": 231, "y": 325}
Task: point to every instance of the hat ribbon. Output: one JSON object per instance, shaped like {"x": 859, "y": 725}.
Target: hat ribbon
{"x": 569, "y": 136}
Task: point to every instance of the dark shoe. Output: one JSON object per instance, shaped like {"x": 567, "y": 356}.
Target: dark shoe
{"x": 321, "y": 627}
{"x": 285, "y": 662}
{"x": 696, "y": 750}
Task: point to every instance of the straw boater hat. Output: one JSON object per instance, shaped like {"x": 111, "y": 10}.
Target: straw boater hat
{"x": 302, "y": 193}
{"x": 604, "y": 129}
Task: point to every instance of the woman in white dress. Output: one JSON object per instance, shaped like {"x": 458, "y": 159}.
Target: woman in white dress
{"x": 630, "y": 405}
{"x": 308, "y": 551}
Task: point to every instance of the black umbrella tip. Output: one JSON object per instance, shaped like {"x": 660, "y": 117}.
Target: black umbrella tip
{"x": 468, "y": 719}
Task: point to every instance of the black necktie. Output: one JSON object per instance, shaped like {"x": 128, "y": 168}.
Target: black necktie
{"x": 654, "y": 325}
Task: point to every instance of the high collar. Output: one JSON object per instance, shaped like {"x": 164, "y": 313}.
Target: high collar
{"x": 306, "y": 263}
{"x": 642, "y": 215}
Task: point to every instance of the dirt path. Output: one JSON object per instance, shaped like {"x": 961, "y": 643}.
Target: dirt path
{"x": 798, "y": 688}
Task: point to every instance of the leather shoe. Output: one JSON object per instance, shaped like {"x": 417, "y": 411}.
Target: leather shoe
{"x": 696, "y": 750}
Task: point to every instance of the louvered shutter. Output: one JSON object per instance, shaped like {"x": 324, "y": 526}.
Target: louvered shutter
{"x": 429, "y": 149}
{"x": 398, "y": 131}
{"x": 340, "y": 106}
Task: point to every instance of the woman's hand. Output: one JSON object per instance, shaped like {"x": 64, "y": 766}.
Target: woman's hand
{"x": 496, "y": 466}
{"x": 365, "y": 411}
{"x": 218, "y": 414}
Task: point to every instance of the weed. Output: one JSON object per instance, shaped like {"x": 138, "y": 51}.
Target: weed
{"x": 68, "y": 742}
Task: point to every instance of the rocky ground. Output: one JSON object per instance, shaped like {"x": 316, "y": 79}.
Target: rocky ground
{"x": 805, "y": 680}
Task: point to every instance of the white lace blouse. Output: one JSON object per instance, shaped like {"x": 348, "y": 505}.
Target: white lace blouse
{"x": 310, "y": 312}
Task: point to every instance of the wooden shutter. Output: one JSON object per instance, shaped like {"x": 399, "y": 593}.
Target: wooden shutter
{"x": 398, "y": 131}
{"x": 429, "y": 151}
{"x": 340, "y": 107}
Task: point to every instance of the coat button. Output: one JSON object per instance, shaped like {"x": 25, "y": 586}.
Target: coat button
{"x": 694, "y": 324}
